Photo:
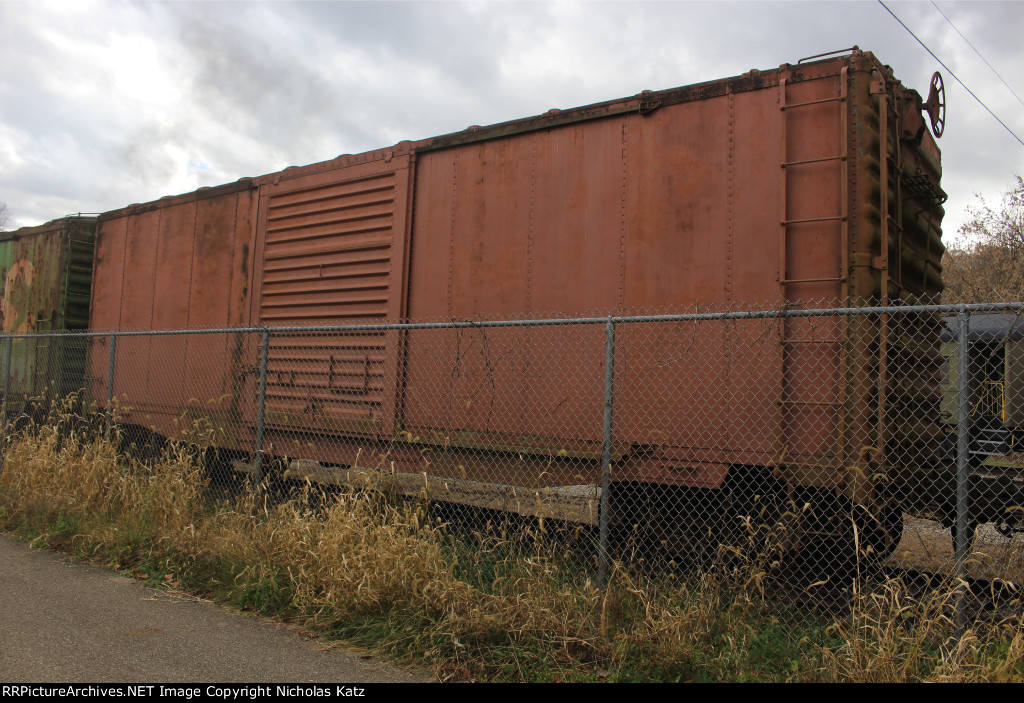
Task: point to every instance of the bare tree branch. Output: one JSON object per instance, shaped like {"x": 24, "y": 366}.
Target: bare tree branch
{"x": 990, "y": 262}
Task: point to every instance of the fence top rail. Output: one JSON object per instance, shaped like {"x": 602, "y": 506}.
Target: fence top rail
{"x": 1017, "y": 307}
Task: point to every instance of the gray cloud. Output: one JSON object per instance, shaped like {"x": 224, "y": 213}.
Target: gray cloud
{"x": 106, "y": 104}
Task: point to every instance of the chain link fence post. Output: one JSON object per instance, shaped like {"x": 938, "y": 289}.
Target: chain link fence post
{"x": 110, "y": 385}
{"x": 606, "y": 454}
{"x": 261, "y": 406}
{"x": 7, "y": 383}
{"x": 963, "y": 442}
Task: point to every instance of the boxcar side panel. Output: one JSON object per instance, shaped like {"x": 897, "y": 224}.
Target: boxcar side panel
{"x": 576, "y": 238}
{"x": 133, "y": 356}
{"x": 105, "y": 312}
{"x": 515, "y": 227}
{"x": 490, "y": 228}
{"x": 676, "y": 162}
{"x": 105, "y": 309}
{"x": 676, "y": 249}
{"x": 177, "y": 263}
{"x": 165, "y": 386}
{"x": 752, "y": 216}
{"x": 223, "y": 233}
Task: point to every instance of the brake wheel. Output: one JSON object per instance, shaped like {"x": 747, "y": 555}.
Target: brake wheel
{"x": 936, "y": 105}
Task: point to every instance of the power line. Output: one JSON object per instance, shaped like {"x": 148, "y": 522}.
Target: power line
{"x": 950, "y": 71}
{"x": 978, "y": 53}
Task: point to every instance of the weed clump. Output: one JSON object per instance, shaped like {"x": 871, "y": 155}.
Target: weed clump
{"x": 66, "y": 480}
{"x": 891, "y": 634}
{"x": 509, "y": 603}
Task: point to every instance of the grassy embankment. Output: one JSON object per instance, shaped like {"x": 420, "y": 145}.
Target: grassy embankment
{"x": 384, "y": 573}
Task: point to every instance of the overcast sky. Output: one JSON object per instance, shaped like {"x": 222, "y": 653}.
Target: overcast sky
{"x": 106, "y": 104}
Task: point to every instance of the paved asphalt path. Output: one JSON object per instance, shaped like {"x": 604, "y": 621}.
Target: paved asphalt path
{"x": 67, "y": 621}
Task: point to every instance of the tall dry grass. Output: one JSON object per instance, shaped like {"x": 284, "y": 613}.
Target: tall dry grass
{"x": 61, "y": 471}
{"x": 387, "y": 572}
{"x": 893, "y": 635}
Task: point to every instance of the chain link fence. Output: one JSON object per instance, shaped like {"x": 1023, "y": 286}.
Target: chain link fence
{"x": 831, "y": 436}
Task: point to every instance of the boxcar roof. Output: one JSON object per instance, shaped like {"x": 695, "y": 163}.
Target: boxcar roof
{"x": 51, "y": 226}
{"x": 987, "y": 327}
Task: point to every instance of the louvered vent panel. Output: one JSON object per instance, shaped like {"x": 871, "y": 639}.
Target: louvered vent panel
{"x": 327, "y": 260}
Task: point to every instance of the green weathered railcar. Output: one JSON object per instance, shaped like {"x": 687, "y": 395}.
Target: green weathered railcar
{"x": 46, "y": 275}
{"x": 995, "y": 416}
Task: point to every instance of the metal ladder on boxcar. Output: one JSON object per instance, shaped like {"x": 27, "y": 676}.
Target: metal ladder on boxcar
{"x": 787, "y": 341}
{"x": 890, "y": 173}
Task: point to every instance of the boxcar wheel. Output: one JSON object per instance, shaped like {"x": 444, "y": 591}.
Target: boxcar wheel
{"x": 760, "y": 518}
{"x": 667, "y": 523}
{"x": 689, "y": 524}
{"x": 629, "y": 512}
{"x": 879, "y": 534}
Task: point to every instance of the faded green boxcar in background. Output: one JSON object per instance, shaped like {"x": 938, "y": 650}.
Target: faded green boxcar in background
{"x": 995, "y": 417}
{"x": 46, "y": 274}
{"x": 997, "y": 384}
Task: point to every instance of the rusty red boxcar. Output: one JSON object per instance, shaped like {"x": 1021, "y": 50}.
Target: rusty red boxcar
{"x": 809, "y": 182}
